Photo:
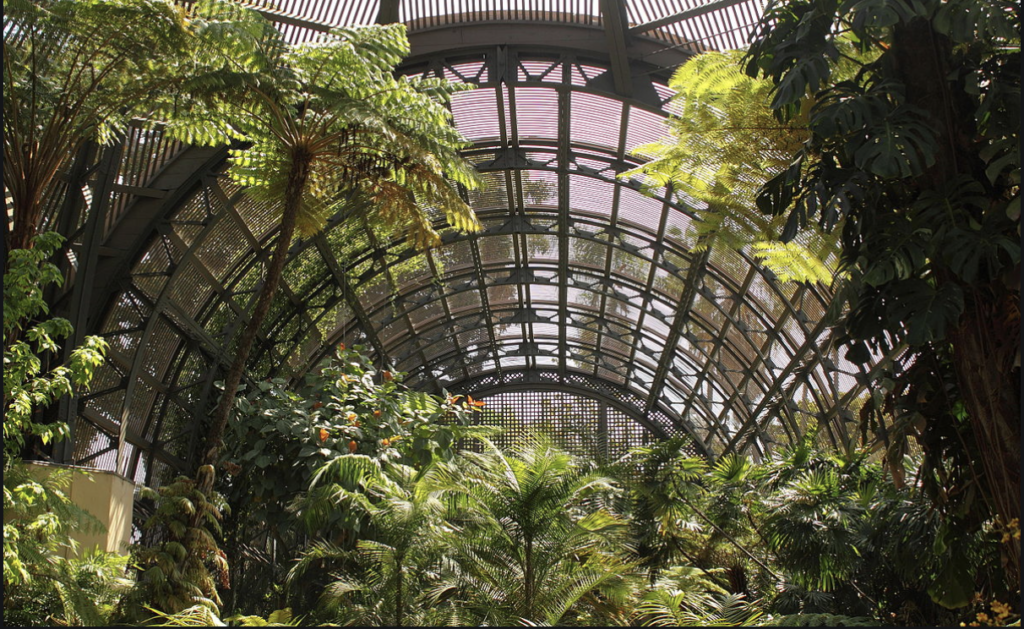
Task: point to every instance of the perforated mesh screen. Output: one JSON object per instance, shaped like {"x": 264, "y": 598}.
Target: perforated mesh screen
{"x": 581, "y": 425}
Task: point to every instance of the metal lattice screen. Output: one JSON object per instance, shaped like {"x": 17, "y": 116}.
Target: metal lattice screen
{"x": 581, "y": 425}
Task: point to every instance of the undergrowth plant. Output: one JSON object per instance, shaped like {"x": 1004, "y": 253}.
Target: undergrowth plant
{"x": 41, "y": 584}
{"x": 182, "y": 565}
{"x": 282, "y": 434}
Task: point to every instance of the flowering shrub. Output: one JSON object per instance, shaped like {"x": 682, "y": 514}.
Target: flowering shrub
{"x": 282, "y": 433}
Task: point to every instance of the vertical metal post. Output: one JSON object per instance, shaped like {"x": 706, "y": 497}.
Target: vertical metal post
{"x": 85, "y": 280}
{"x": 564, "y": 112}
{"x": 388, "y": 13}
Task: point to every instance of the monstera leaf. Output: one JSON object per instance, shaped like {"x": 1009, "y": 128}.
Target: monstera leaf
{"x": 923, "y": 309}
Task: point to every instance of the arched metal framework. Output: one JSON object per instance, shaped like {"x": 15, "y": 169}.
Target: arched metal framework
{"x": 578, "y": 283}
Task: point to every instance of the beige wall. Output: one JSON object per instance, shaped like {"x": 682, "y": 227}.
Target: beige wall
{"x": 108, "y": 496}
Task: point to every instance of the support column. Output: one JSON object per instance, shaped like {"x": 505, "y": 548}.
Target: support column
{"x": 85, "y": 285}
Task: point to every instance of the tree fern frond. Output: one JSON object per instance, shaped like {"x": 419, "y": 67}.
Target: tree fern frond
{"x": 793, "y": 262}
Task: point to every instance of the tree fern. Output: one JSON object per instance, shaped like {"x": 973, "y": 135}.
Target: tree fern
{"x": 792, "y": 262}
{"x": 81, "y": 71}
{"x": 327, "y": 128}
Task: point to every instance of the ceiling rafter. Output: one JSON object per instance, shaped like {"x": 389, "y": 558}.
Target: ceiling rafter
{"x": 757, "y": 420}
{"x": 347, "y": 293}
{"x": 682, "y": 16}
{"x": 613, "y": 15}
{"x": 682, "y": 316}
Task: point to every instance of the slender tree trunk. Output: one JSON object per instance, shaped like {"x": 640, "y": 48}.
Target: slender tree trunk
{"x": 399, "y": 603}
{"x": 6, "y": 244}
{"x": 24, "y": 229}
{"x": 528, "y": 577}
{"x": 294, "y": 192}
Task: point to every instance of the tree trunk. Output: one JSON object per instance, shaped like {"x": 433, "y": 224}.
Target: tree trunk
{"x": 984, "y": 352}
{"x": 986, "y": 341}
{"x": 294, "y": 192}
{"x": 26, "y": 217}
{"x": 8, "y": 240}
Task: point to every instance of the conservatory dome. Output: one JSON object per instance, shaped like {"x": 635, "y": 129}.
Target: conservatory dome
{"x": 581, "y": 287}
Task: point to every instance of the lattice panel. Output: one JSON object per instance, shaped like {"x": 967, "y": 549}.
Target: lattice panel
{"x": 583, "y": 426}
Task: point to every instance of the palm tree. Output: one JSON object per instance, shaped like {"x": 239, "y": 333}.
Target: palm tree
{"x": 329, "y": 127}
{"x": 663, "y": 529}
{"x": 533, "y": 535}
{"x": 395, "y": 574}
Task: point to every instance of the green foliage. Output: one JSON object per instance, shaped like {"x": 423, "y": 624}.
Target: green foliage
{"x": 812, "y": 526}
{"x": 478, "y": 538}
{"x": 203, "y": 616}
{"x": 676, "y": 608}
{"x": 724, "y": 144}
{"x": 195, "y": 616}
{"x": 42, "y": 585}
{"x": 878, "y": 155}
{"x": 533, "y": 537}
{"x": 808, "y": 531}
{"x": 820, "y": 620}
{"x": 39, "y": 582}
{"x": 327, "y": 129}
{"x": 332, "y": 110}
{"x": 792, "y": 262}
{"x": 184, "y": 566}
{"x": 87, "y": 61}
{"x": 72, "y": 592}
{"x": 281, "y": 436}
{"x": 76, "y": 71}
{"x": 663, "y": 530}
{"x": 27, "y": 340}
{"x": 391, "y": 577}
{"x": 537, "y": 536}
{"x": 918, "y": 153}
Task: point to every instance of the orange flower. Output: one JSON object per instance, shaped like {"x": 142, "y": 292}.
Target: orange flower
{"x": 385, "y": 442}
{"x": 317, "y": 405}
{"x": 323, "y": 435}
{"x": 476, "y": 403}
{"x": 351, "y": 417}
{"x": 341, "y": 347}
{"x": 352, "y": 446}
{"x": 376, "y": 412}
{"x": 387, "y": 376}
{"x": 453, "y": 399}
